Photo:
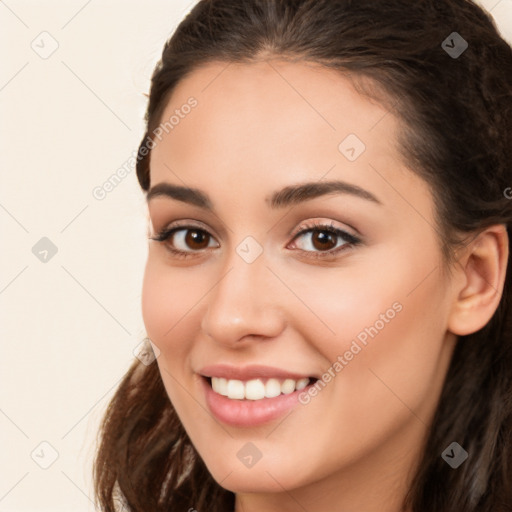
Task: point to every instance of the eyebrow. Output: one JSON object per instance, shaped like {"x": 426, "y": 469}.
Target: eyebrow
{"x": 290, "y": 195}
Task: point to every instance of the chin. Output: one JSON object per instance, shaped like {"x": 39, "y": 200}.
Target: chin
{"x": 261, "y": 478}
{"x": 246, "y": 481}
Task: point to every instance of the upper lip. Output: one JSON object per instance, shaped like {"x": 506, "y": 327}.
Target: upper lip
{"x": 249, "y": 372}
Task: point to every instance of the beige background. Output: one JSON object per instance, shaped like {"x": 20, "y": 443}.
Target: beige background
{"x": 69, "y": 325}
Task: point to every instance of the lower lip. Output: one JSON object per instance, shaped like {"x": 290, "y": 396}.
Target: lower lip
{"x": 249, "y": 413}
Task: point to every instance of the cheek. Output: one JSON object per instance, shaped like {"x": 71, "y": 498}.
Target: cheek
{"x": 338, "y": 304}
{"x": 392, "y": 301}
{"x": 156, "y": 301}
{"x": 168, "y": 301}
{"x": 400, "y": 349}
{"x": 381, "y": 328}
{"x": 170, "y": 318}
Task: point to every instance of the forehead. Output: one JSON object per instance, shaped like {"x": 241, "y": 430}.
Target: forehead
{"x": 285, "y": 97}
{"x": 242, "y": 108}
{"x": 274, "y": 123}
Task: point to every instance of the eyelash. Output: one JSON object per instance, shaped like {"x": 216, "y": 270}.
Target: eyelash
{"x": 351, "y": 240}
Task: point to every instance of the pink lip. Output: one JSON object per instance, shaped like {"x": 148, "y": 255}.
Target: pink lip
{"x": 249, "y": 372}
{"x": 248, "y": 413}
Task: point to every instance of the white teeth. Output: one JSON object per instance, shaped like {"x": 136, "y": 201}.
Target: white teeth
{"x": 222, "y": 386}
{"x": 272, "y": 388}
{"x": 301, "y": 384}
{"x": 255, "y": 389}
{"x": 288, "y": 386}
{"x": 235, "y": 389}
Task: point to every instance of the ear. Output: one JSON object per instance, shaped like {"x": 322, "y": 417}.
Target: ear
{"x": 480, "y": 281}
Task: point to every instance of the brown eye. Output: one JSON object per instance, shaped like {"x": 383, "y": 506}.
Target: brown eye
{"x": 190, "y": 239}
{"x": 324, "y": 239}
{"x": 196, "y": 238}
{"x": 186, "y": 240}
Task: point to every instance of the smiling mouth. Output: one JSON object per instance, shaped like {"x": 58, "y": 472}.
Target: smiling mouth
{"x": 257, "y": 389}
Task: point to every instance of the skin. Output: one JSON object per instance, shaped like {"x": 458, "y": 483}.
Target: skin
{"x": 261, "y": 127}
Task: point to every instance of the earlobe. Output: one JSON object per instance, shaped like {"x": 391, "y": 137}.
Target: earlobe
{"x": 482, "y": 268}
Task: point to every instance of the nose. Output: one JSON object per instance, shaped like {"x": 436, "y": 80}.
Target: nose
{"x": 244, "y": 305}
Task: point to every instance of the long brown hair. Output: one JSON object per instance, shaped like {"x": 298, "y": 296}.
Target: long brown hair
{"x": 456, "y": 118}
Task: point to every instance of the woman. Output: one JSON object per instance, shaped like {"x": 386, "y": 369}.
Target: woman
{"x": 326, "y": 289}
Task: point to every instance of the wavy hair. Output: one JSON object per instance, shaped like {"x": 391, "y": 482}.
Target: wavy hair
{"x": 455, "y": 115}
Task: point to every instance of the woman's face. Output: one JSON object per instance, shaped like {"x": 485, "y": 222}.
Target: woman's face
{"x": 365, "y": 313}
